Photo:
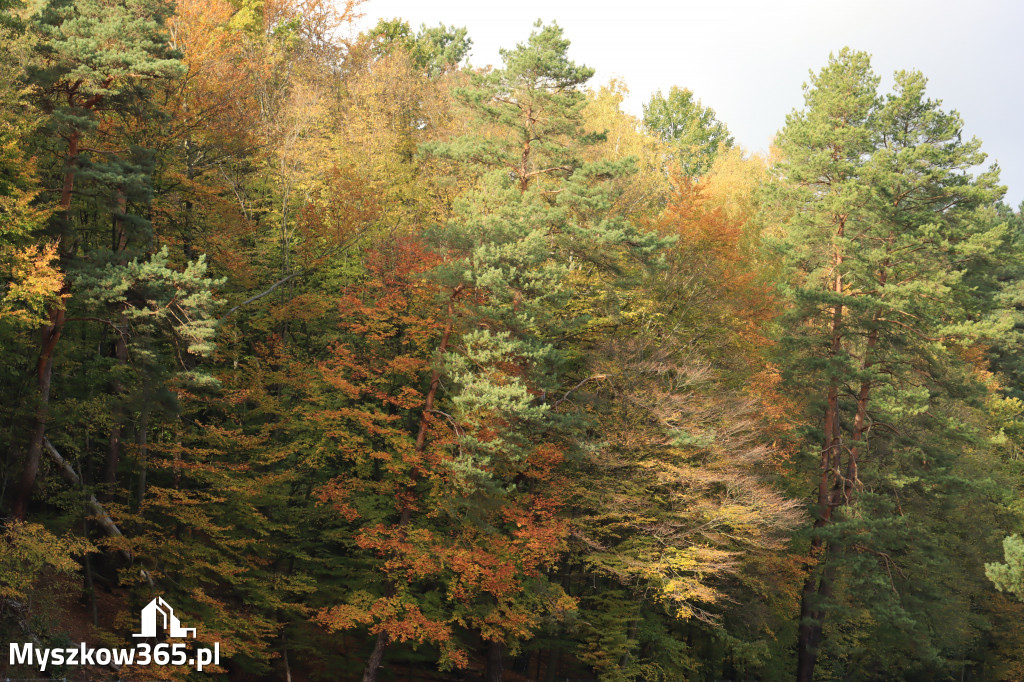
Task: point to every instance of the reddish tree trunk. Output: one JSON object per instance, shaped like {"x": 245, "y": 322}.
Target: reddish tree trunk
{"x": 49, "y": 336}
{"x": 50, "y": 333}
{"x": 816, "y": 587}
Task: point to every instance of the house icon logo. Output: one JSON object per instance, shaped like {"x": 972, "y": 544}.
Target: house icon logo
{"x": 159, "y": 612}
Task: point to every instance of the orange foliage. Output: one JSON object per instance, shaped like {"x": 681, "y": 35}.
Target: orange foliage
{"x": 393, "y": 322}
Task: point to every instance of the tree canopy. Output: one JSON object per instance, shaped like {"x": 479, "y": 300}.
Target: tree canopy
{"x": 378, "y": 365}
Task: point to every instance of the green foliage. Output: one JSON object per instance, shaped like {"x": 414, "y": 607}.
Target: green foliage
{"x": 157, "y": 300}
{"x": 506, "y": 375}
{"x": 535, "y": 102}
{"x": 692, "y": 131}
{"x": 884, "y": 247}
{"x": 432, "y": 50}
{"x": 91, "y": 51}
{"x": 1009, "y": 576}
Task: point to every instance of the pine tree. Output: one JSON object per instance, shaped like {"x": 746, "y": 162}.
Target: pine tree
{"x": 507, "y": 261}
{"x": 883, "y": 235}
{"x": 89, "y": 57}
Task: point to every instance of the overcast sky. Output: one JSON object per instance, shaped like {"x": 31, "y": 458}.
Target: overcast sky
{"x": 747, "y": 59}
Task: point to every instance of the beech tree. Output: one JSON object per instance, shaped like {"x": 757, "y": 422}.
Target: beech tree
{"x": 32, "y": 278}
{"x": 692, "y": 130}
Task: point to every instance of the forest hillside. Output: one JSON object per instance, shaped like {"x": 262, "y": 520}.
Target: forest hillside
{"x": 377, "y": 365}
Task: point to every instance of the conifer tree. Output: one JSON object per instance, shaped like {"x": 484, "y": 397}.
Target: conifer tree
{"x": 508, "y": 259}
{"x": 882, "y": 238}
{"x": 90, "y": 65}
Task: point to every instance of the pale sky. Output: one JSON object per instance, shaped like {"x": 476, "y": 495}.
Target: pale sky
{"x": 747, "y": 59}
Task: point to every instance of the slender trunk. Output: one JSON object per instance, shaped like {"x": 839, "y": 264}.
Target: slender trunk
{"x": 121, "y": 353}
{"x": 49, "y": 336}
{"x": 530, "y": 134}
{"x": 114, "y": 442}
{"x": 863, "y": 395}
{"x": 551, "y": 673}
{"x": 807, "y": 633}
{"x": 832, "y": 450}
{"x": 817, "y": 587}
{"x": 51, "y": 333}
{"x": 284, "y": 658}
{"x": 69, "y": 173}
{"x": 435, "y": 377}
{"x": 100, "y": 515}
{"x": 632, "y": 630}
{"x": 495, "y": 662}
{"x": 90, "y": 588}
{"x": 176, "y": 468}
{"x": 141, "y": 440}
{"x": 523, "y": 663}
{"x": 113, "y": 451}
{"x": 373, "y": 663}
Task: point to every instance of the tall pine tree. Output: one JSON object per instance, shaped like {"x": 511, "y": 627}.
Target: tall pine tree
{"x": 883, "y": 233}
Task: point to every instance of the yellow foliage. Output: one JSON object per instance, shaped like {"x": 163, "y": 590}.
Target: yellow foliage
{"x": 32, "y": 279}
{"x": 733, "y": 180}
{"x": 387, "y": 110}
{"x": 28, "y": 549}
{"x": 648, "y": 188}
{"x": 35, "y": 280}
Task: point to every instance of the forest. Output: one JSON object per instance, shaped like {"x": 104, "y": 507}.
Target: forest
{"x": 379, "y": 365}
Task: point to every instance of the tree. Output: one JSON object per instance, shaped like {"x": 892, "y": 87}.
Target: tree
{"x": 882, "y": 238}
{"x": 89, "y": 57}
{"x": 32, "y": 278}
{"x": 535, "y": 102}
{"x": 643, "y": 193}
{"x": 506, "y": 262}
{"x": 692, "y": 131}
{"x": 433, "y": 51}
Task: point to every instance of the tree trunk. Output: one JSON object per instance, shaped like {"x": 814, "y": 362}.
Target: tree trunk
{"x": 551, "y": 673}
{"x": 817, "y": 590}
{"x": 375, "y": 659}
{"x": 69, "y": 176}
{"x": 284, "y": 658}
{"x": 49, "y": 336}
{"x": 141, "y": 440}
{"x": 114, "y": 443}
{"x": 495, "y": 662}
{"x": 818, "y": 587}
{"x": 120, "y": 352}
